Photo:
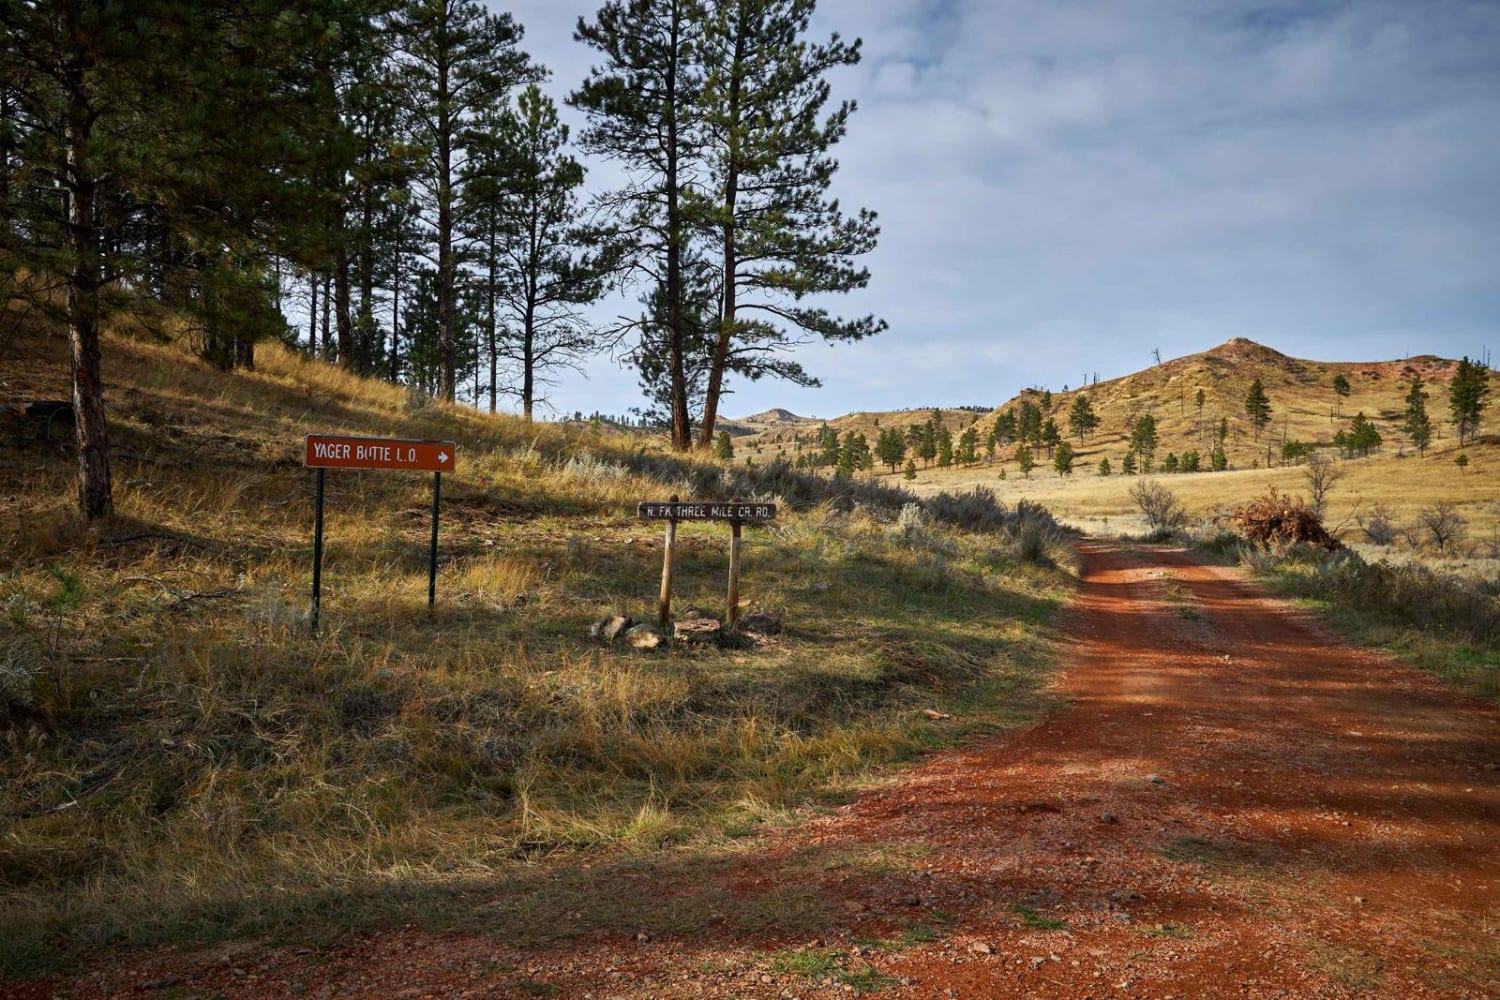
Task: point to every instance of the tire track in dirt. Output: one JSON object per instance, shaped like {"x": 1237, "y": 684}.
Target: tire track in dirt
{"x": 1229, "y": 802}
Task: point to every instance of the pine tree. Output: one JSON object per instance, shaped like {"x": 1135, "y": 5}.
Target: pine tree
{"x": 1081, "y": 418}
{"x": 1104, "y": 468}
{"x": 1418, "y": 425}
{"x": 457, "y": 60}
{"x": 828, "y": 446}
{"x": 1258, "y": 407}
{"x": 927, "y": 443}
{"x": 641, "y": 105}
{"x": 1143, "y": 440}
{"x": 1062, "y": 460}
{"x": 1362, "y": 437}
{"x": 891, "y": 447}
{"x": 108, "y": 141}
{"x": 1026, "y": 459}
{"x": 1006, "y": 427}
{"x": 1051, "y": 436}
{"x": 1029, "y": 423}
{"x": 968, "y": 446}
{"x": 766, "y": 141}
{"x": 723, "y": 447}
{"x": 1468, "y": 396}
{"x": 1127, "y": 464}
{"x": 944, "y": 448}
{"x": 522, "y": 193}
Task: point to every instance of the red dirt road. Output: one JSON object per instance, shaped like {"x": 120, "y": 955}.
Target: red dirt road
{"x": 1227, "y": 802}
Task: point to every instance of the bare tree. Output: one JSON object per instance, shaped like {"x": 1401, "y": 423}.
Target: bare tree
{"x": 1443, "y": 522}
{"x": 1164, "y": 513}
{"x": 1380, "y": 526}
{"x": 1322, "y": 474}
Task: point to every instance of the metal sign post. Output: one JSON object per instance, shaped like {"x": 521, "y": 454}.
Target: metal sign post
{"x": 325, "y": 451}
{"x": 437, "y": 491}
{"x": 318, "y": 553}
{"x": 736, "y": 513}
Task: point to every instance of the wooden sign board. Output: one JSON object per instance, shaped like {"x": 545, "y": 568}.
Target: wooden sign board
{"x": 326, "y": 451}
{"x": 738, "y": 512}
{"x": 330, "y": 451}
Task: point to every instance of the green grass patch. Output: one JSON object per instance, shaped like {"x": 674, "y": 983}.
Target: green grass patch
{"x": 867, "y": 980}
{"x": 1034, "y": 919}
{"x": 1176, "y": 932}
{"x": 814, "y": 964}
{"x": 1193, "y": 850}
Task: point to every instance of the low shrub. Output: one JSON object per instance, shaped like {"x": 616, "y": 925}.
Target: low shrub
{"x": 1410, "y": 594}
{"x": 1219, "y": 542}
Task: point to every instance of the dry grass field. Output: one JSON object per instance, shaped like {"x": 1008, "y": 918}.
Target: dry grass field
{"x": 183, "y": 760}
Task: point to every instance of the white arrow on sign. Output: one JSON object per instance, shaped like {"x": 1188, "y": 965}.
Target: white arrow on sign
{"x": 442, "y": 458}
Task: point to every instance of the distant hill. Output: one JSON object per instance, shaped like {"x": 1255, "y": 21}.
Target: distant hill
{"x": 1303, "y": 403}
{"x": 773, "y": 416}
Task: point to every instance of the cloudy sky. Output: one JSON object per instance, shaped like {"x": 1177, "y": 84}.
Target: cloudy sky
{"x": 1065, "y": 185}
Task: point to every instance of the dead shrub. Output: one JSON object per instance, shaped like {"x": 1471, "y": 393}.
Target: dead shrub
{"x": 1444, "y": 524}
{"x": 1380, "y": 526}
{"x": 1164, "y": 513}
{"x": 1276, "y": 518}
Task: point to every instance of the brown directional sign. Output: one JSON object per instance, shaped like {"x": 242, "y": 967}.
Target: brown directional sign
{"x": 326, "y": 451}
{"x": 707, "y": 511}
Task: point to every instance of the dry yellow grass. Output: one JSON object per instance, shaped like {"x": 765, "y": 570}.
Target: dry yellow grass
{"x": 184, "y": 759}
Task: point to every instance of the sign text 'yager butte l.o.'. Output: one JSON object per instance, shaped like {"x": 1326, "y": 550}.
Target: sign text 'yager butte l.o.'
{"x": 326, "y": 451}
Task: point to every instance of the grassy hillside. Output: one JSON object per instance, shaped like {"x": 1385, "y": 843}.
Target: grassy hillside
{"x": 1304, "y": 408}
{"x": 182, "y": 759}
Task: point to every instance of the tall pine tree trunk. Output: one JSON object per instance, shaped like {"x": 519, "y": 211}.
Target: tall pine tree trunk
{"x": 447, "y": 356}
{"x": 682, "y": 430}
{"x": 312, "y": 314}
{"x": 493, "y": 345}
{"x": 327, "y": 315}
{"x": 369, "y": 353}
{"x": 95, "y": 494}
{"x": 731, "y": 262}
{"x": 341, "y": 305}
{"x": 396, "y": 320}
{"x": 528, "y": 354}
{"x": 7, "y": 151}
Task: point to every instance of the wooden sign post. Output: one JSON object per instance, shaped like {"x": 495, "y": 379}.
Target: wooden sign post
{"x": 736, "y": 513}
{"x": 324, "y": 452}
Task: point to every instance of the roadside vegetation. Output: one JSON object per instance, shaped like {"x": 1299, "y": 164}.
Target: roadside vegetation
{"x": 1424, "y": 590}
{"x": 184, "y": 760}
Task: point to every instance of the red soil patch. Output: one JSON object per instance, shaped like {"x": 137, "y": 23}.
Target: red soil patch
{"x": 1231, "y": 803}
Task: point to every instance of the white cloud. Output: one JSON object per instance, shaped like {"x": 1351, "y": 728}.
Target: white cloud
{"x": 1092, "y": 179}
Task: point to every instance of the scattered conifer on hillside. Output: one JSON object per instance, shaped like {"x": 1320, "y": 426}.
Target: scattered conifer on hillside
{"x": 1258, "y": 407}
{"x": 1418, "y": 424}
{"x": 1468, "y": 395}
